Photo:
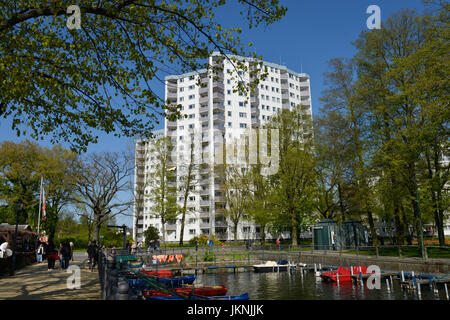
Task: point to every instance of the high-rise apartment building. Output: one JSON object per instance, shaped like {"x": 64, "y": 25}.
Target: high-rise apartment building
{"x": 215, "y": 112}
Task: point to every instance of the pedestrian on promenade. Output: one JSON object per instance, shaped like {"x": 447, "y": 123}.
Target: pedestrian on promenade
{"x": 71, "y": 250}
{"x": 40, "y": 253}
{"x": 196, "y": 245}
{"x": 278, "y": 243}
{"x": 92, "y": 251}
{"x": 52, "y": 254}
{"x": 65, "y": 254}
{"x": 335, "y": 243}
{"x": 60, "y": 255}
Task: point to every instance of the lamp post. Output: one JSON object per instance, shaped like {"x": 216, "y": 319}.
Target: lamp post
{"x": 18, "y": 207}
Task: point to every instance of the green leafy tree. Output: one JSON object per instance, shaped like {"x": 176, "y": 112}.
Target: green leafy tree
{"x": 151, "y": 234}
{"x": 161, "y": 184}
{"x": 293, "y": 185}
{"x": 67, "y": 83}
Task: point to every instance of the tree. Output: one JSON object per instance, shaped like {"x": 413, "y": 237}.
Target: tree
{"x": 151, "y": 234}
{"x": 70, "y": 82}
{"x": 187, "y": 172}
{"x": 100, "y": 178}
{"x": 161, "y": 184}
{"x": 340, "y": 96}
{"x": 22, "y": 165}
{"x": 294, "y": 183}
{"x": 235, "y": 188}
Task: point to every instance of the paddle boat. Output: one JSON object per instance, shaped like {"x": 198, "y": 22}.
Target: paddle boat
{"x": 272, "y": 266}
{"x": 343, "y": 274}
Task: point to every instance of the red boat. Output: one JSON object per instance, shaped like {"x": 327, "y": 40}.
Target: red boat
{"x": 159, "y": 273}
{"x": 189, "y": 290}
{"x": 344, "y": 273}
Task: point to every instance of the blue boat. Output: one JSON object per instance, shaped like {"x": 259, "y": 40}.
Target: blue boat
{"x": 243, "y": 296}
{"x": 177, "y": 281}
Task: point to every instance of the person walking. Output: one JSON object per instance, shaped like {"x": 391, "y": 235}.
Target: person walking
{"x": 40, "y": 253}
{"x": 60, "y": 255}
{"x": 71, "y": 250}
{"x": 65, "y": 255}
{"x": 51, "y": 253}
{"x": 278, "y": 243}
{"x": 92, "y": 251}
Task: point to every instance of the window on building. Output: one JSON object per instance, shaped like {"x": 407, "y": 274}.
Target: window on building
{"x": 243, "y": 125}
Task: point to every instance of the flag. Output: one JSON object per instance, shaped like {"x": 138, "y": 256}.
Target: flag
{"x": 44, "y": 215}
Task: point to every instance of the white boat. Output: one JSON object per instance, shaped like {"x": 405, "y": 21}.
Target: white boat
{"x": 272, "y": 266}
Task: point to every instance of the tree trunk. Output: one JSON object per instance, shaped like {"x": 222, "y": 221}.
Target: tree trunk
{"x": 294, "y": 230}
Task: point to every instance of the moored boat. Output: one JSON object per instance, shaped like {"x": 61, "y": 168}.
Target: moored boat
{"x": 343, "y": 274}
{"x": 243, "y": 296}
{"x": 190, "y": 290}
{"x": 272, "y": 266}
{"x": 177, "y": 281}
{"x": 158, "y": 273}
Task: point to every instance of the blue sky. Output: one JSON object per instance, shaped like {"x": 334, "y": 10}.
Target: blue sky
{"x": 310, "y": 34}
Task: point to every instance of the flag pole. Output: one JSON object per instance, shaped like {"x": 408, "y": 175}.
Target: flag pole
{"x": 40, "y": 201}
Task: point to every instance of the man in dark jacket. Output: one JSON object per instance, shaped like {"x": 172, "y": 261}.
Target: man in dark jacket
{"x": 65, "y": 252}
{"x": 92, "y": 251}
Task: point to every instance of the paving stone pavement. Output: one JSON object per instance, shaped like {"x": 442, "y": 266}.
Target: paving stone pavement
{"x": 35, "y": 282}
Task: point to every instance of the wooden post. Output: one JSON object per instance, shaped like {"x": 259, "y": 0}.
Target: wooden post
{"x": 376, "y": 251}
{"x": 399, "y": 251}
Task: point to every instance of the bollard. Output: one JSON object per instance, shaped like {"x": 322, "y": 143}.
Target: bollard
{"x": 387, "y": 285}
{"x": 403, "y": 276}
{"x": 446, "y": 290}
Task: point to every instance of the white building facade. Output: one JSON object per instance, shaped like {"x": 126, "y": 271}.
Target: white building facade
{"x": 215, "y": 112}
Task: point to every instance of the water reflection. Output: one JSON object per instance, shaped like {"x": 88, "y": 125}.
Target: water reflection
{"x": 283, "y": 286}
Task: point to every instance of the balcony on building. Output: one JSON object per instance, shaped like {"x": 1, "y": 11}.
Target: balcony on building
{"x": 204, "y": 118}
{"x": 204, "y": 214}
{"x": 203, "y": 91}
{"x": 219, "y": 117}
{"x": 203, "y": 99}
{"x": 204, "y": 225}
{"x": 203, "y": 108}
{"x": 218, "y": 96}
{"x": 171, "y": 124}
{"x": 219, "y": 106}
{"x": 218, "y": 86}
{"x": 205, "y": 203}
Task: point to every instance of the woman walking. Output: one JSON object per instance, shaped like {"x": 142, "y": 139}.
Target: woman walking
{"x": 51, "y": 253}
{"x": 40, "y": 253}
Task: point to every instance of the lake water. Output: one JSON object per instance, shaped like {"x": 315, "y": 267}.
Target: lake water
{"x": 285, "y": 286}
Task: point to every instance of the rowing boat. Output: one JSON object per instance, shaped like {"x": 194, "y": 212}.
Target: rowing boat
{"x": 190, "y": 290}
{"x": 243, "y": 296}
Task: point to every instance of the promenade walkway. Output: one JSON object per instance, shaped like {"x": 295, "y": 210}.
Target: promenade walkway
{"x": 35, "y": 282}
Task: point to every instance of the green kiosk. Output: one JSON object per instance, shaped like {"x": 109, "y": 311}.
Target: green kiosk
{"x": 324, "y": 233}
